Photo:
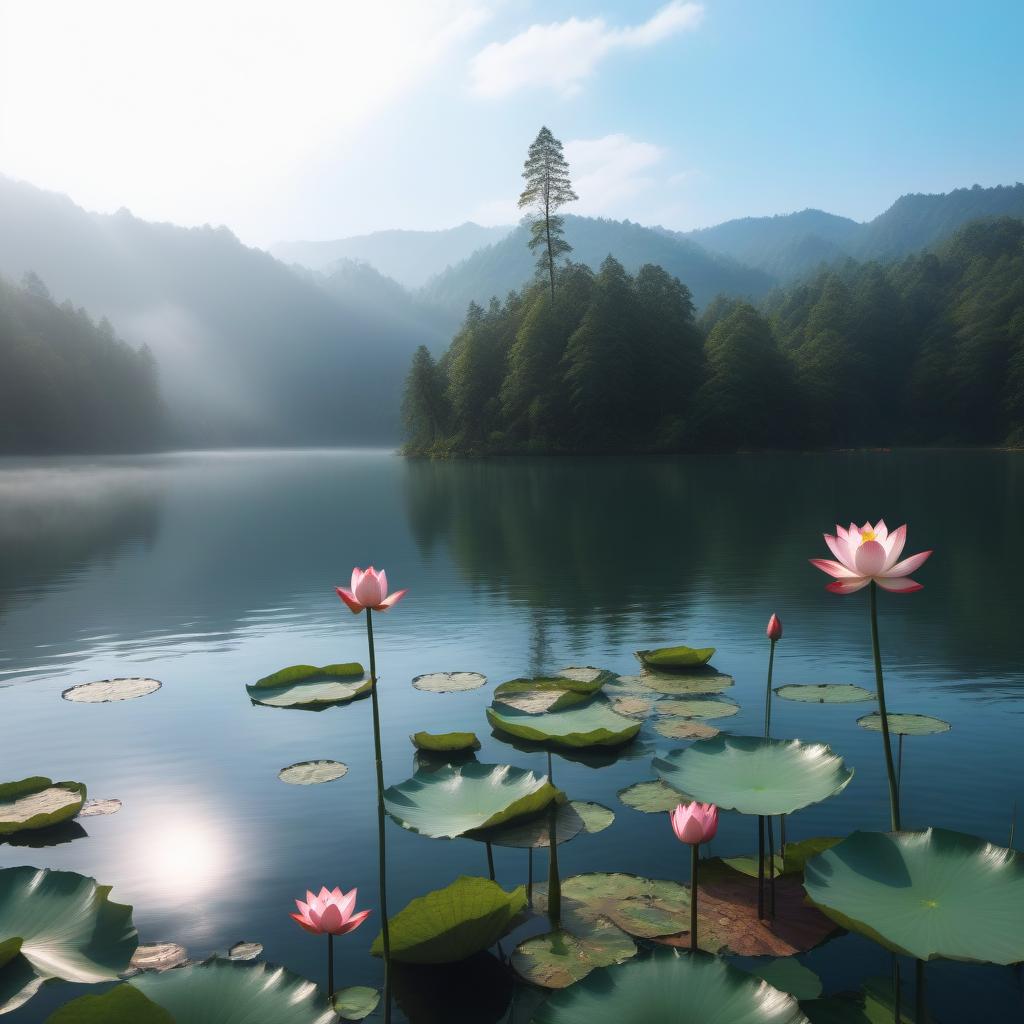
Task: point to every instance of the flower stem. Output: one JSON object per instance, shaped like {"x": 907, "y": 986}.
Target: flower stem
{"x": 490, "y": 862}
{"x": 894, "y": 799}
{"x": 694, "y": 861}
{"x": 760, "y": 867}
{"x": 921, "y": 1009}
{"x": 554, "y": 880}
{"x": 330, "y": 965}
{"x": 768, "y": 693}
{"x": 381, "y": 849}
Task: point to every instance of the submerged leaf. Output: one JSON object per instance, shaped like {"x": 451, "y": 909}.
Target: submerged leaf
{"x": 36, "y": 803}
{"x": 355, "y": 1002}
{"x": 696, "y": 682}
{"x": 452, "y": 923}
{"x": 572, "y": 817}
{"x": 312, "y": 773}
{"x": 311, "y": 688}
{"x": 593, "y": 724}
{"x": 104, "y": 691}
{"x": 121, "y": 1005}
{"x": 654, "y": 797}
{"x": 449, "y": 682}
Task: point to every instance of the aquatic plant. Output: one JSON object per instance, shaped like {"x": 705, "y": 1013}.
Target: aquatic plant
{"x": 37, "y": 802}
{"x": 330, "y": 913}
{"x": 369, "y": 593}
{"x": 867, "y": 557}
{"x": 694, "y": 824}
{"x": 774, "y": 634}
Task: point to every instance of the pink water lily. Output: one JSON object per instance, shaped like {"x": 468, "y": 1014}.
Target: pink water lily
{"x": 330, "y": 913}
{"x": 870, "y": 553}
{"x": 369, "y": 590}
{"x": 695, "y": 823}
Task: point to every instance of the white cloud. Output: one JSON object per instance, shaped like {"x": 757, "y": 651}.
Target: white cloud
{"x": 609, "y": 170}
{"x": 562, "y": 55}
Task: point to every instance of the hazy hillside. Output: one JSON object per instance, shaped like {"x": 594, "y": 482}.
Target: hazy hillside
{"x": 508, "y": 264}
{"x": 248, "y": 351}
{"x": 791, "y": 245}
{"x": 410, "y": 257}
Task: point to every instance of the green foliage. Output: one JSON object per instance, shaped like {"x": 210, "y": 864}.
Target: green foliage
{"x": 68, "y": 383}
{"x": 121, "y": 1005}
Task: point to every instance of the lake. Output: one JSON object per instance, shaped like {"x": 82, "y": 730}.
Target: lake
{"x": 209, "y": 570}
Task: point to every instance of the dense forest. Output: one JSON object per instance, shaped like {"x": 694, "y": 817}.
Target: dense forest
{"x": 68, "y": 383}
{"x": 929, "y": 350}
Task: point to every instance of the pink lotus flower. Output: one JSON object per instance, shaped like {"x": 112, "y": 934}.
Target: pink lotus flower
{"x": 369, "y": 590}
{"x": 774, "y": 629}
{"x": 869, "y": 554}
{"x": 330, "y": 913}
{"x": 695, "y": 823}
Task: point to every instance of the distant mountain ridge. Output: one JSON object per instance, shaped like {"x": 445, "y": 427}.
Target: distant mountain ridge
{"x": 410, "y": 257}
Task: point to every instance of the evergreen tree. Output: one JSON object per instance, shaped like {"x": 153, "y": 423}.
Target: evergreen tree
{"x": 547, "y": 189}
{"x": 424, "y": 412}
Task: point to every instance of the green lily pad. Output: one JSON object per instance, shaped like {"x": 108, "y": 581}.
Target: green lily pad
{"x": 668, "y": 987}
{"x": 105, "y": 691}
{"x": 698, "y": 707}
{"x": 824, "y": 693}
{"x": 632, "y": 707}
{"x": 587, "y": 674}
{"x": 218, "y": 991}
{"x": 694, "y": 683}
{"x": 684, "y": 729}
{"x": 452, "y": 923}
{"x": 561, "y": 958}
{"x": 676, "y": 657}
{"x": 121, "y": 1005}
{"x": 572, "y": 817}
{"x": 312, "y": 773}
{"x": 355, "y": 1002}
{"x": 18, "y": 983}
{"x": 455, "y": 800}
{"x": 754, "y": 775}
{"x": 589, "y": 725}
{"x": 794, "y": 859}
{"x": 654, "y": 797}
{"x": 311, "y": 688}
{"x": 905, "y": 724}
{"x": 787, "y": 974}
{"x": 449, "y": 682}
{"x": 37, "y": 802}
{"x": 925, "y": 894}
{"x": 95, "y": 808}
{"x": 445, "y": 742}
{"x": 546, "y": 693}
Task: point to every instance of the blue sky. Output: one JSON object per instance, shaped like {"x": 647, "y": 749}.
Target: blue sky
{"x": 319, "y": 119}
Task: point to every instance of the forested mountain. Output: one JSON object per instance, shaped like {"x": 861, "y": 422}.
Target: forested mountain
{"x": 927, "y": 350}
{"x": 410, "y": 257}
{"x": 249, "y": 351}
{"x": 68, "y": 383}
{"x": 791, "y": 245}
{"x": 508, "y": 264}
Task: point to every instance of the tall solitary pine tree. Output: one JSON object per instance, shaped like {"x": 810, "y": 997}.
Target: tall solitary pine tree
{"x": 547, "y": 189}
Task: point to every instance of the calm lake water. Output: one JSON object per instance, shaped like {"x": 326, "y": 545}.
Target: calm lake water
{"x": 210, "y": 570}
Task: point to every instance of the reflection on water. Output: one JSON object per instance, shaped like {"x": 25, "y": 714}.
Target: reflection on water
{"x": 208, "y": 571}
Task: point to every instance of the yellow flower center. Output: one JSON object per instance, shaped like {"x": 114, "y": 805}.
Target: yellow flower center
{"x": 866, "y": 535}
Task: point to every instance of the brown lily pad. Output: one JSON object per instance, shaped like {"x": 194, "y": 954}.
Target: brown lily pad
{"x": 245, "y": 950}
{"x": 157, "y": 956}
{"x": 103, "y": 691}
{"x": 634, "y": 707}
{"x": 684, "y": 729}
{"x": 91, "y": 808}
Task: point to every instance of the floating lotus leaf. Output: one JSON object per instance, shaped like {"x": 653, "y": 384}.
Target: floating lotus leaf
{"x": 667, "y": 987}
{"x": 904, "y": 724}
{"x": 449, "y": 682}
{"x": 696, "y": 682}
{"x": 58, "y": 924}
{"x": 312, "y": 773}
{"x": 224, "y": 991}
{"x": 824, "y": 693}
{"x": 787, "y": 974}
{"x": 794, "y": 859}
{"x": 445, "y": 742}
{"x": 684, "y": 729}
{"x": 311, "y": 688}
{"x": 547, "y": 693}
{"x": 94, "y": 808}
{"x": 37, "y": 802}
{"x": 452, "y": 923}
{"x": 676, "y": 657}
{"x": 455, "y": 800}
{"x": 654, "y": 797}
{"x": 157, "y": 956}
{"x": 754, "y": 775}
{"x": 561, "y": 958}
{"x": 571, "y": 818}
{"x": 245, "y": 950}
{"x": 634, "y": 707}
{"x": 588, "y": 725}
{"x": 925, "y": 894}
{"x": 698, "y": 707}
{"x": 355, "y": 1002}
{"x": 642, "y": 907}
{"x": 104, "y": 691}
{"x": 595, "y": 677}
{"x": 121, "y": 1005}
